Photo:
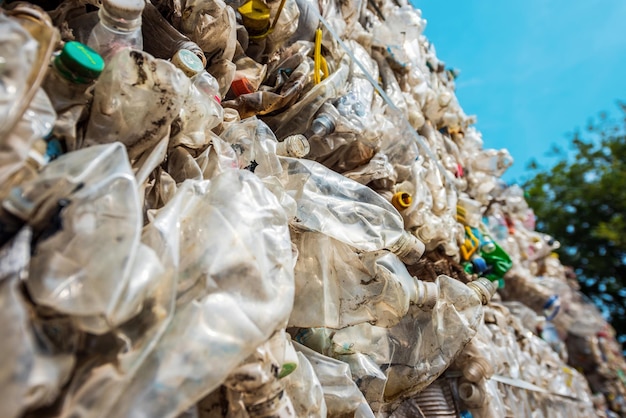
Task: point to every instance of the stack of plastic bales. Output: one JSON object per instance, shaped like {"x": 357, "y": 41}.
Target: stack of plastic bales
{"x": 269, "y": 209}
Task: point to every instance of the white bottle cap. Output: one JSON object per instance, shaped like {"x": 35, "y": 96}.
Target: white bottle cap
{"x": 188, "y": 62}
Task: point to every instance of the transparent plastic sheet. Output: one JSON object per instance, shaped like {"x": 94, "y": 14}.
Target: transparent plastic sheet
{"x": 198, "y": 350}
{"x": 336, "y": 287}
{"x": 141, "y": 119}
{"x": 33, "y": 367}
{"x": 346, "y": 210}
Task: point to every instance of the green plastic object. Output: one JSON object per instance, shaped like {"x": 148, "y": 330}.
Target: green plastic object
{"x": 499, "y": 261}
{"x": 79, "y": 63}
{"x": 287, "y": 369}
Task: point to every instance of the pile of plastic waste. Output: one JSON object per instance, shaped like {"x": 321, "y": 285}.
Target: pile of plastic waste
{"x": 269, "y": 208}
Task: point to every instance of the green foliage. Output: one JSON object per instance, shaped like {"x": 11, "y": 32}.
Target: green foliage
{"x": 581, "y": 201}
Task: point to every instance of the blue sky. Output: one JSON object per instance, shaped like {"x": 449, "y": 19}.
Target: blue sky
{"x": 532, "y": 71}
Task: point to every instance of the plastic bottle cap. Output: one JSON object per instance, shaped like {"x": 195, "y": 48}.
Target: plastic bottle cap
{"x": 401, "y": 200}
{"x": 480, "y": 265}
{"x": 188, "y": 62}
{"x": 79, "y": 63}
{"x": 255, "y": 16}
{"x": 241, "y": 86}
{"x": 124, "y": 9}
{"x": 323, "y": 125}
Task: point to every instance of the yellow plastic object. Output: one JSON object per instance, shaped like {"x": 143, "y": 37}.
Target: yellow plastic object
{"x": 320, "y": 64}
{"x": 316, "y": 56}
{"x": 460, "y": 214}
{"x": 471, "y": 244}
{"x": 401, "y": 200}
{"x": 256, "y": 18}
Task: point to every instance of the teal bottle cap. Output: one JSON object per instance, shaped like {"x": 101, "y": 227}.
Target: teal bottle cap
{"x": 79, "y": 63}
{"x": 188, "y": 62}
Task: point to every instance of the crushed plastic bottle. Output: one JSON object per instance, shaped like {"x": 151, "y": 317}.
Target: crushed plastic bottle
{"x": 118, "y": 27}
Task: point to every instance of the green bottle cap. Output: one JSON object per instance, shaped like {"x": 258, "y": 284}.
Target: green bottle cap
{"x": 79, "y": 63}
{"x": 188, "y": 62}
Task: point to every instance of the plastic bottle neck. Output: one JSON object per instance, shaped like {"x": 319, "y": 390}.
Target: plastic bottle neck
{"x": 323, "y": 125}
{"x": 118, "y": 24}
{"x": 484, "y": 289}
{"x": 426, "y": 294}
{"x": 408, "y": 248}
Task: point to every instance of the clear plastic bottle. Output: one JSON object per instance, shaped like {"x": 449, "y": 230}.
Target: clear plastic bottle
{"x": 346, "y": 210}
{"x": 119, "y": 27}
{"x": 201, "y": 111}
{"x": 337, "y": 287}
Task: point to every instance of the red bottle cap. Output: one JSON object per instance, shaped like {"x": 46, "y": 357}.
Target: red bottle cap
{"x": 241, "y": 86}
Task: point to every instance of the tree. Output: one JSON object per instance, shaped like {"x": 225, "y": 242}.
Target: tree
{"x": 581, "y": 201}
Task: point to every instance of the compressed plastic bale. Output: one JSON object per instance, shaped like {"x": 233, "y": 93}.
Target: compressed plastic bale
{"x": 372, "y": 142}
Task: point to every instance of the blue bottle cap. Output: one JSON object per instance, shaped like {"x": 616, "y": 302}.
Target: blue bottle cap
{"x": 480, "y": 265}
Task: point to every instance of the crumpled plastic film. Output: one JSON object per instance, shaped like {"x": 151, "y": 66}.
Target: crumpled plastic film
{"x": 278, "y": 208}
